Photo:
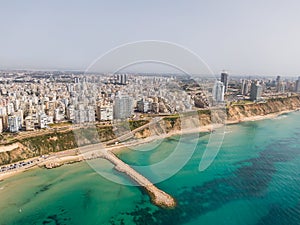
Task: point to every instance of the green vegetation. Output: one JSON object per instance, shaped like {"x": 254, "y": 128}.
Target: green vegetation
{"x": 204, "y": 112}
{"x": 106, "y": 133}
{"x": 60, "y": 141}
{"x": 134, "y": 124}
{"x": 7, "y": 138}
{"x": 47, "y": 143}
{"x": 172, "y": 120}
{"x": 15, "y": 156}
{"x": 172, "y": 117}
{"x": 62, "y": 124}
{"x": 242, "y": 102}
{"x": 189, "y": 113}
{"x": 69, "y": 139}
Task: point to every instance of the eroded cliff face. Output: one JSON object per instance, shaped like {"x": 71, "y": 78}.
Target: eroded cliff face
{"x": 15, "y": 155}
{"x": 55, "y": 142}
{"x": 240, "y": 112}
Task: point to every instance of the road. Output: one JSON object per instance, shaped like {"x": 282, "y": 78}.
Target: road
{"x": 130, "y": 134}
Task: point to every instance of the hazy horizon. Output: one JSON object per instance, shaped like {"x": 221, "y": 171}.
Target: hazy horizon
{"x": 249, "y": 37}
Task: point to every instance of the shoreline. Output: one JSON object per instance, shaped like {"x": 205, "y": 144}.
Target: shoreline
{"x": 260, "y": 117}
{"x": 157, "y": 196}
{"x": 56, "y": 160}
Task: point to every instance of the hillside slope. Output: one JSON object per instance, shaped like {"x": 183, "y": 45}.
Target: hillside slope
{"x": 60, "y": 141}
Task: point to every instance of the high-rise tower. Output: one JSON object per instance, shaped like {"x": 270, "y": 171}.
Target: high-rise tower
{"x": 123, "y": 106}
{"x": 224, "y": 80}
{"x": 218, "y": 92}
{"x": 256, "y": 91}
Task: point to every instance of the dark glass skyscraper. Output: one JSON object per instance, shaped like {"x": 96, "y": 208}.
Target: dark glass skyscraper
{"x": 224, "y": 80}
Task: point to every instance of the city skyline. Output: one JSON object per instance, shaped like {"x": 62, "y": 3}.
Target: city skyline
{"x": 254, "y": 38}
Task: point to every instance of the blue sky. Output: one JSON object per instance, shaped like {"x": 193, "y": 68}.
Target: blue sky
{"x": 243, "y": 37}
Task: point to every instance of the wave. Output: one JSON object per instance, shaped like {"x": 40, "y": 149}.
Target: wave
{"x": 280, "y": 117}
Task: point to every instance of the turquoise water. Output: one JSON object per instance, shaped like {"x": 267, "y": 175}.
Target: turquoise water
{"x": 255, "y": 179}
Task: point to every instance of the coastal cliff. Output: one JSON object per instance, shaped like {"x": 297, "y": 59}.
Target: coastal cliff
{"x": 239, "y": 112}
{"x": 54, "y": 142}
{"x": 17, "y": 153}
{"x": 60, "y": 141}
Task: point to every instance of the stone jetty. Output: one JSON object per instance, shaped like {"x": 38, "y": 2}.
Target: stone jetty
{"x": 158, "y": 197}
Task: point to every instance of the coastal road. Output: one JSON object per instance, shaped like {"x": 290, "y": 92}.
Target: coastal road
{"x": 130, "y": 134}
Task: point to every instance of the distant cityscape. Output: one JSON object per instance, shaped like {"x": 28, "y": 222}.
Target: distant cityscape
{"x": 32, "y": 100}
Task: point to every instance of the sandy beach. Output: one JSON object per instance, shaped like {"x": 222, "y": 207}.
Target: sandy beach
{"x": 158, "y": 197}
{"x": 72, "y": 155}
{"x": 260, "y": 117}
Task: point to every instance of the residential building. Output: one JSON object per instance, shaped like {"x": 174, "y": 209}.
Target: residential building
{"x": 218, "y": 92}
{"x": 123, "y": 106}
{"x": 14, "y": 124}
{"x": 256, "y": 91}
{"x": 104, "y": 112}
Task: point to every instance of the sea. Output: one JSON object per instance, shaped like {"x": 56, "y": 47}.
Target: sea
{"x": 253, "y": 180}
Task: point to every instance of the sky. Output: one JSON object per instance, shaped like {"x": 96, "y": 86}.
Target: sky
{"x": 243, "y": 37}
